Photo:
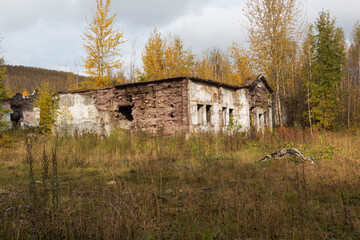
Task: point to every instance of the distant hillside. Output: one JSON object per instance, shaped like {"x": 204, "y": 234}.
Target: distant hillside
{"x": 21, "y": 78}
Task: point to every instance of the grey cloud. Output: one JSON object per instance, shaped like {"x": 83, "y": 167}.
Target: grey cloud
{"x": 47, "y": 33}
{"x": 346, "y": 12}
{"x": 145, "y": 13}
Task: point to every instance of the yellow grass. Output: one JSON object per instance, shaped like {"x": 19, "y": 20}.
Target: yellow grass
{"x": 204, "y": 186}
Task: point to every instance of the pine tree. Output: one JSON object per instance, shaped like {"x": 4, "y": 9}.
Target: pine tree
{"x": 102, "y": 42}
{"x": 327, "y": 70}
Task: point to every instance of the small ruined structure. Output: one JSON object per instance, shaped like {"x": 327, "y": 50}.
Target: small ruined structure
{"x": 182, "y": 104}
{"x": 23, "y": 113}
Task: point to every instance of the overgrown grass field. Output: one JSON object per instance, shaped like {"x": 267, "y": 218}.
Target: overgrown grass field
{"x": 203, "y": 186}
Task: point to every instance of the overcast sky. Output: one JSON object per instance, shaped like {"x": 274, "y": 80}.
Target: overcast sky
{"x": 48, "y": 33}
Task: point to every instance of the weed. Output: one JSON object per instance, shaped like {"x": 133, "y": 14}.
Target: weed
{"x": 180, "y": 187}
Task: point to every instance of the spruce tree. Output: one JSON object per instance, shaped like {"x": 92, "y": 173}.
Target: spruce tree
{"x": 328, "y": 68}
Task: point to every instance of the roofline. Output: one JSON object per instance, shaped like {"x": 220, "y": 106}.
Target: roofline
{"x": 263, "y": 79}
{"x": 173, "y": 79}
{"x": 259, "y": 78}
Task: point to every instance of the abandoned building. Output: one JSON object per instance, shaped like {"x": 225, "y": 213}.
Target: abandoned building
{"x": 182, "y": 104}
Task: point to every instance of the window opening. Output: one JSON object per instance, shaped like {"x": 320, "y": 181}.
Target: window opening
{"x": 224, "y": 115}
{"x": 265, "y": 120}
{"x": 231, "y": 112}
{"x": 200, "y": 113}
{"x": 125, "y": 112}
{"x": 208, "y": 114}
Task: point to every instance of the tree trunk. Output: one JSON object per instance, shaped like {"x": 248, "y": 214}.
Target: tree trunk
{"x": 277, "y": 97}
{"x": 308, "y": 94}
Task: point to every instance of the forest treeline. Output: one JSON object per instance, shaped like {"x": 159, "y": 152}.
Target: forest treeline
{"x": 26, "y": 79}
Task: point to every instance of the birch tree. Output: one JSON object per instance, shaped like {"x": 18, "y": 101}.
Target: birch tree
{"x": 353, "y": 75}
{"x": 242, "y": 67}
{"x": 274, "y": 27}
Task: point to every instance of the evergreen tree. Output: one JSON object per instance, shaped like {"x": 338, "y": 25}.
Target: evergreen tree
{"x": 3, "y": 96}
{"x": 328, "y": 53}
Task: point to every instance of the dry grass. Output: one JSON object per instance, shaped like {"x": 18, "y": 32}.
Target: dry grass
{"x": 202, "y": 187}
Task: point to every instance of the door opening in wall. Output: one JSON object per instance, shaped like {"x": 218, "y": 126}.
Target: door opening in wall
{"x": 224, "y": 116}
{"x": 261, "y": 126}
{"x": 15, "y": 117}
{"x": 265, "y": 120}
{"x": 200, "y": 109}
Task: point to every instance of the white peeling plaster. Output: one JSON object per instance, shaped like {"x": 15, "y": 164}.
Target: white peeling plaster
{"x": 31, "y": 118}
{"x": 78, "y": 113}
{"x": 219, "y": 99}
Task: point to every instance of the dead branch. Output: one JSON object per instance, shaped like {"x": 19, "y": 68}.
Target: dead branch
{"x": 286, "y": 152}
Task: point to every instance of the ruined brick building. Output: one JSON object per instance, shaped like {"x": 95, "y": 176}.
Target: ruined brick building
{"x": 182, "y": 104}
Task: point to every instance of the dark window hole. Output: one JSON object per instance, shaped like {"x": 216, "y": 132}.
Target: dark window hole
{"x": 126, "y": 112}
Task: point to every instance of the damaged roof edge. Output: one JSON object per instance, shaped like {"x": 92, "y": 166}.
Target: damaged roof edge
{"x": 263, "y": 79}
{"x": 247, "y": 84}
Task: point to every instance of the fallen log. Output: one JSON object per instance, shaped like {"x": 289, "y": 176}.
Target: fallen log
{"x": 286, "y": 152}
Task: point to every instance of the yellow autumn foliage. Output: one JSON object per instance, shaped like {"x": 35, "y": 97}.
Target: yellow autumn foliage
{"x": 241, "y": 64}
{"x": 101, "y": 42}
{"x": 165, "y": 58}
{"x": 25, "y": 93}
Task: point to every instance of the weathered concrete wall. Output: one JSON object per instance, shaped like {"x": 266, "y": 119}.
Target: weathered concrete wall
{"x": 31, "y": 117}
{"x": 78, "y": 112}
{"x": 211, "y": 107}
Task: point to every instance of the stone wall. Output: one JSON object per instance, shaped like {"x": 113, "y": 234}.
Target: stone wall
{"x": 153, "y": 107}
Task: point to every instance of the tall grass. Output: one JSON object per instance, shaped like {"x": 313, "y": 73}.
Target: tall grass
{"x": 203, "y": 186}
